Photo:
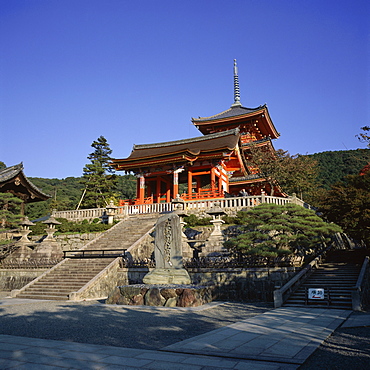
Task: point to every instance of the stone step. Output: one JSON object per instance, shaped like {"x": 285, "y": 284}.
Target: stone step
{"x": 69, "y": 276}
{"x": 51, "y": 291}
{"x": 333, "y": 306}
{"x": 58, "y": 283}
{"x": 74, "y": 273}
{"x": 47, "y": 297}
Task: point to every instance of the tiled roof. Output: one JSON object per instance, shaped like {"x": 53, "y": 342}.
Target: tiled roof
{"x": 231, "y": 112}
{"x": 10, "y": 173}
{"x": 221, "y": 140}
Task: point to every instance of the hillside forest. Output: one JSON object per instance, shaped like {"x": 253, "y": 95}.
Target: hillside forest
{"x": 337, "y": 190}
{"x": 331, "y": 168}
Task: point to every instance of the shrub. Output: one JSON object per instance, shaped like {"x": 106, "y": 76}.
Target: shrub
{"x": 192, "y": 220}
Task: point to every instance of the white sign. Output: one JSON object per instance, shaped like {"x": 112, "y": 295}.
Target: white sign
{"x": 315, "y": 293}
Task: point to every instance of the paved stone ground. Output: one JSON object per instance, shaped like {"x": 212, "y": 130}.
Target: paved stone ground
{"x": 65, "y": 324}
{"x": 114, "y": 325}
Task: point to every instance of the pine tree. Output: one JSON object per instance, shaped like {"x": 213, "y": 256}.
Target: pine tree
{"x": 98, "y": 176}
{"x": 272, "y": 230}
{"x": 9, "y": 210}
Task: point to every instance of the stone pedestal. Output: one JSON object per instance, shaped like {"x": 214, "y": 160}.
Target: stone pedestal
{"x": 214, "y": 246}
{"x": 167, "y": 276}
{"x": 24, "y": 236}
{"x": 217, "y": 223}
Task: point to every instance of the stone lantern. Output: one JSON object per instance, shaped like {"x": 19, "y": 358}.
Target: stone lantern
{"x": 110, "y": 212}
{"x": 51, "y": 222}
{"x": 179, "y": 209}
{"x": 216, "y": 212}
{"x": 25, "y": 230}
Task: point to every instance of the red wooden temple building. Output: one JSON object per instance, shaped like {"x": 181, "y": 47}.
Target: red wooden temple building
{"x": 214, "y": 165}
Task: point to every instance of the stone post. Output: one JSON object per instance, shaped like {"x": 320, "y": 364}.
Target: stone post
{"x": 168, "y": 253}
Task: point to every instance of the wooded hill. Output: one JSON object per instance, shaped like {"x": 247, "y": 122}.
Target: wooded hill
{"x": 66, "y": 193}
{"x": 335, "y": 166}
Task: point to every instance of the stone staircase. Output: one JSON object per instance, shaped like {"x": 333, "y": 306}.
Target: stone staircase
{"x": 72, "y": 274}
{"x": 337, "y": 276}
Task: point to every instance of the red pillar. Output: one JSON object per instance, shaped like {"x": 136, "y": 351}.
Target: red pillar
{"x": 175, "y": 183}
{"x": 190, "y": 183}
{"x": 213, "y": 181}
{"x": 158, "y": 190}
{"x": 141, "y": 189}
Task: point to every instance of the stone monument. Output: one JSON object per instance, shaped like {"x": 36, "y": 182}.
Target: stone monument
{"x": 168, "y": 253}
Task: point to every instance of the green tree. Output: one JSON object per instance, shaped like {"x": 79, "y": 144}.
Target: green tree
{"x": 98, "y": 176}
{"x": 126, "y": 186}
{"x": 272, "y": 230}
{"x": 347, "y": 203}
{"x": 9, "y": 210}
{"x": 2, "y": 165}
{"x": 294, "y": 173}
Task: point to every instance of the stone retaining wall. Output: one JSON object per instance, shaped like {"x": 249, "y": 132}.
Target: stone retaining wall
{"x": 17, "y": 278}
{"x": 70, "y": 241}
{"x": 237, "y": 284}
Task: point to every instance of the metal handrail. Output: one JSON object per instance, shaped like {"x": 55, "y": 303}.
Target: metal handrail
{"x": 99, "y": 253}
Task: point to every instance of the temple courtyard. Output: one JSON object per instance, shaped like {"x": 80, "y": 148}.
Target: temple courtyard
{"x": 37, "y": 334}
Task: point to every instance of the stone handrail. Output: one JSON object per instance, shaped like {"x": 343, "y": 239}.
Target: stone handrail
{"x": 16, "y": 292}
{"x": 281, "y": 293}
{"x": 235, "y": 203}
{"x": 81, "y": 214}
{"x": 362, "y": 284}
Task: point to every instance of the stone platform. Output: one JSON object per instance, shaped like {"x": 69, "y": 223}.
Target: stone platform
{"x": 161, "y": 295}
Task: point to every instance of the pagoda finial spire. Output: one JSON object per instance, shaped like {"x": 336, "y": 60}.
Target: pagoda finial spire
{"x": 236, "y": 87}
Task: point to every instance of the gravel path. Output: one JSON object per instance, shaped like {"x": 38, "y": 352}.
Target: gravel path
{"x": 346, "y": 348}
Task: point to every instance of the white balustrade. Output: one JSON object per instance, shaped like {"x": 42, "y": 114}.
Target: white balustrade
{"x": 236, "y": 203}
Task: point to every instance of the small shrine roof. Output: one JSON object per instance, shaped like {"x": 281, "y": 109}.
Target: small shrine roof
{"x": 13, "y": 179}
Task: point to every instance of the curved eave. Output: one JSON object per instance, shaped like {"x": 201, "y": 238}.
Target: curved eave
{"x": 262, "y": 114}
{"x": 189, "y": 157}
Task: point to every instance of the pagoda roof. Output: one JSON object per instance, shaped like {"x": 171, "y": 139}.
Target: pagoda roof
{"x": 237, "y": 115}
{"x": 233, "y": 111}
{"x": 187, "y": 150}
{"x": 13, "y": 180}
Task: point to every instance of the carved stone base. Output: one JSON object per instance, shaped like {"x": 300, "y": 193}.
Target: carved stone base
{"x": 167, "y": 276}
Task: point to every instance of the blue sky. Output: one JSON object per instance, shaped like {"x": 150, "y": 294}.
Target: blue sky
{"x": 137, "y": 71}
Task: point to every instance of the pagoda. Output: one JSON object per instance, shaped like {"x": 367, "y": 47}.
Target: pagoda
{"x": 211, "y": 166}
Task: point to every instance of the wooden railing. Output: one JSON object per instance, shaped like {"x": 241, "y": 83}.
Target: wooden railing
{"x": 235, "y": 203}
